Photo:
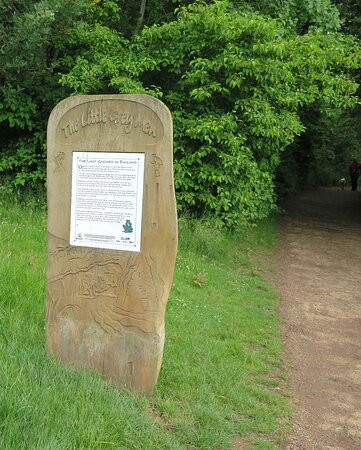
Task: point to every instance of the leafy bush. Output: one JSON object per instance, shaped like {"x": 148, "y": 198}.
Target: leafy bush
{"x": 34, "y": 36}
{"x": 235, "y": 83}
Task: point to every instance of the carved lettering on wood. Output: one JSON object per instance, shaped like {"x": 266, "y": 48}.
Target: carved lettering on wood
{"x": 120, "y": 116}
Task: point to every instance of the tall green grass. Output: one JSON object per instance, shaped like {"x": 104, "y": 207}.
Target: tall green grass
{"x": 221, "y": 356}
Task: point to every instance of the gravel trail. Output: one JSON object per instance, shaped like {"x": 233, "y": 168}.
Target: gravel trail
{"x": 319, "y": 283}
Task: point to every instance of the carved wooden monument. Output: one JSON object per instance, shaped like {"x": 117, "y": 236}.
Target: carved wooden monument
{"x": 112, "y": 235}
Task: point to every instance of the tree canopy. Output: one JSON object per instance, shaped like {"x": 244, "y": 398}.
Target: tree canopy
{"x": 253, "y": 88}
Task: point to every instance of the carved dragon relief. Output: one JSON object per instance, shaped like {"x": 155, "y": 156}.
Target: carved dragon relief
{"x": 124, "y": 292}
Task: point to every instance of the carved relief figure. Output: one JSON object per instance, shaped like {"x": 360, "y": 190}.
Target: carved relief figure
{"x": 157, "y": 163}
{"x": 113, "y": 292}
{"x": 59, "y": 162}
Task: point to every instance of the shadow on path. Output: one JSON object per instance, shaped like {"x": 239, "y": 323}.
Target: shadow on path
{"x": 319, "y": 283}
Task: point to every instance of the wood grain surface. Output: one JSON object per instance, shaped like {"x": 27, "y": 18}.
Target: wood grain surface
{"x": 106, "y": 308}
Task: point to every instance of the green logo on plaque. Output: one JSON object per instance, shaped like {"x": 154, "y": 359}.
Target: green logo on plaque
{"x": 128, "y": 228}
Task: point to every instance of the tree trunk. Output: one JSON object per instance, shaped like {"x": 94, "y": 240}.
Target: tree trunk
{"x": 141, "y": 16}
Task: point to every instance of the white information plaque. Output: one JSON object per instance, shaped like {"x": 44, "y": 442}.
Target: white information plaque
{"x": 107, "y": 200}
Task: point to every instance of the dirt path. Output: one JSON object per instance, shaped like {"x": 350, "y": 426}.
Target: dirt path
{"x": 319, "y": 282}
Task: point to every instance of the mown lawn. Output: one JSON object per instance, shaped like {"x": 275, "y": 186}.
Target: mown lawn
{"x": 222, "y": 367}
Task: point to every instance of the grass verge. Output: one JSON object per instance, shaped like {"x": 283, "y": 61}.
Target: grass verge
{"x": 221, "y": 355}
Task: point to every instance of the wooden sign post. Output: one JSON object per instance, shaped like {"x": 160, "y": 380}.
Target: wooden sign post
{"x": 112, "y": 235}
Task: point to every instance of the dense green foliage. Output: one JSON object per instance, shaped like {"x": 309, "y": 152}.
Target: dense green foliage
{"x": 332, "y": 137}
{"x": 237, "y": 78}
{"x": 302, "y": 15}
{"x": 32, "y": 34}
{"x": 322, "y": 154}
{"x": 221, "y": 374}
